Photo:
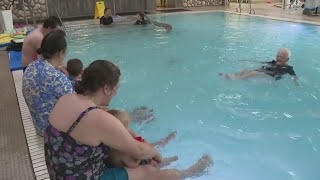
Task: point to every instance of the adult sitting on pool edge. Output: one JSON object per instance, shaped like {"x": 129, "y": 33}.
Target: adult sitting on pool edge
{"x": 80, "y": 135}
{"x": 33, "y": 41}
{"x": 275, "y": 68}
{"x": 43, "y": 84}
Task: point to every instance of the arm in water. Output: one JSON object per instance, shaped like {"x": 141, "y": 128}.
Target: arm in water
{"x": 168, "y": 27}
{"x": 295, "y": 80}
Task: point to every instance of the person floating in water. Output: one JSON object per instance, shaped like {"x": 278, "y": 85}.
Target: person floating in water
{"x": 141, "y": 20}
{"x": 276, "y": 68}
{"x": 107, "y": 18}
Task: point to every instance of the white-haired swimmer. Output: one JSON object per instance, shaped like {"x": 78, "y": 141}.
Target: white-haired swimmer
{"x": 276, "y": 68}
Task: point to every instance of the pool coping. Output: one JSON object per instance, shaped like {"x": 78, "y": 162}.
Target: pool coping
{"x": 243, "y": 14}
{"x": 130, "y": 18}
{"x": 14, "y": 154}
{"x": 35, "y": 143}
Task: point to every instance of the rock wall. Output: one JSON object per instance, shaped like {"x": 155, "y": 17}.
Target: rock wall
{"x": 38, "y": 7}
{"x": 193, "y": 3}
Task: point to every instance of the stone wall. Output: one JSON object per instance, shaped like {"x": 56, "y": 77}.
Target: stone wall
{"x": 193, "y": 3}
{"x": 38, "y": 7}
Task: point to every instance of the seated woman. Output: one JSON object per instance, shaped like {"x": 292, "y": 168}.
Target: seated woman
{"x": 80, "y": 135}
{"x": 43, "y": 83}
{"x": 107, "y": 18}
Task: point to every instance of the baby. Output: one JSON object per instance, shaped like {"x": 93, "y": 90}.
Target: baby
{"x": 118, "y": 159}
{"x": 75, "y": 70}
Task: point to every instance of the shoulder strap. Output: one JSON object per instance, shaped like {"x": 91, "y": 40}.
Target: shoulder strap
{"x": 83, "y": 113}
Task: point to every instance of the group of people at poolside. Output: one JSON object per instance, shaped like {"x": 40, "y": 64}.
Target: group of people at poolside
{"x": 83, "y": 138}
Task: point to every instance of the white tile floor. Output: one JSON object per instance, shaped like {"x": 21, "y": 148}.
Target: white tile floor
{"x": 35, "y": 142}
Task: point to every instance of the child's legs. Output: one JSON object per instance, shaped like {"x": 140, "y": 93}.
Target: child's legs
{"x": 244, "y": 74}
{"x": 249, "y": 74}
{"x": 165, "y": 162}
{"x": 166, "y": 140}
{"x": 150, "y": 172}
{"x": 168, "y": 161}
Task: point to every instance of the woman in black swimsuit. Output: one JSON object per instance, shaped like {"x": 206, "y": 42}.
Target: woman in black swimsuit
{"x": 275, "y": 68}
{"x": 107, "y": 18}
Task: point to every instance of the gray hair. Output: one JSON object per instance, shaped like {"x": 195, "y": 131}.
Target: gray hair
{"x": 285, "y": 51}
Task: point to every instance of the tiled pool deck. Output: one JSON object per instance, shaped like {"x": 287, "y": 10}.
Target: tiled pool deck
{"x": 15, "y": 159}
{"x": 21, "y": 150}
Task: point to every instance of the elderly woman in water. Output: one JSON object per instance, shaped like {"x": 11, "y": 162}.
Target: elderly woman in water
{"x": 275, "y": 69}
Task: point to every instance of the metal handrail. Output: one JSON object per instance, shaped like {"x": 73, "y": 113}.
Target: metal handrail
{"x": 114, "y": 7}
{"x": 251, "y": 10}
{"x": 64, "y": 28}
{"x": 27, "y": 5}
{"x": 240, "y": 8}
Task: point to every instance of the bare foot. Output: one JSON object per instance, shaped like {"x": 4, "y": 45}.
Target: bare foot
{"x": 228, "y": 76}
{"x": 170, "y": 136}
{"x": 199, "y": 168}
{"x": 165, "y": 141}
{"x": 168, "y": 161}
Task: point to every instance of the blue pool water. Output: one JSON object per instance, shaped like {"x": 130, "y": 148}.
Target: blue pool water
{"x": 254, "y": 129}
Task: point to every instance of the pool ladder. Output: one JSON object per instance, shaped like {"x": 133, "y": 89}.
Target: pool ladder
{"x": 26, "y": 5}
{"x": 251, "y": 11}
{"x": 64, "y": 27}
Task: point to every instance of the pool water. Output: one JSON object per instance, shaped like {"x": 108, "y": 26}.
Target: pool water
{"x": 254, "y": 129}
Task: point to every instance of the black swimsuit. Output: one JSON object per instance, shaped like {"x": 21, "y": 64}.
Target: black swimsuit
{"x": 141, "y": 22}
{"x": 106, "y": 21}
{"x": 276, "y": 71}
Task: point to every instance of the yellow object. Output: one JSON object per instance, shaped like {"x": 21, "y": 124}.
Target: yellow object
{"x": 6, "y": 38}
{"x": 4, "y": 35}
{"x": 99, "y": 10}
